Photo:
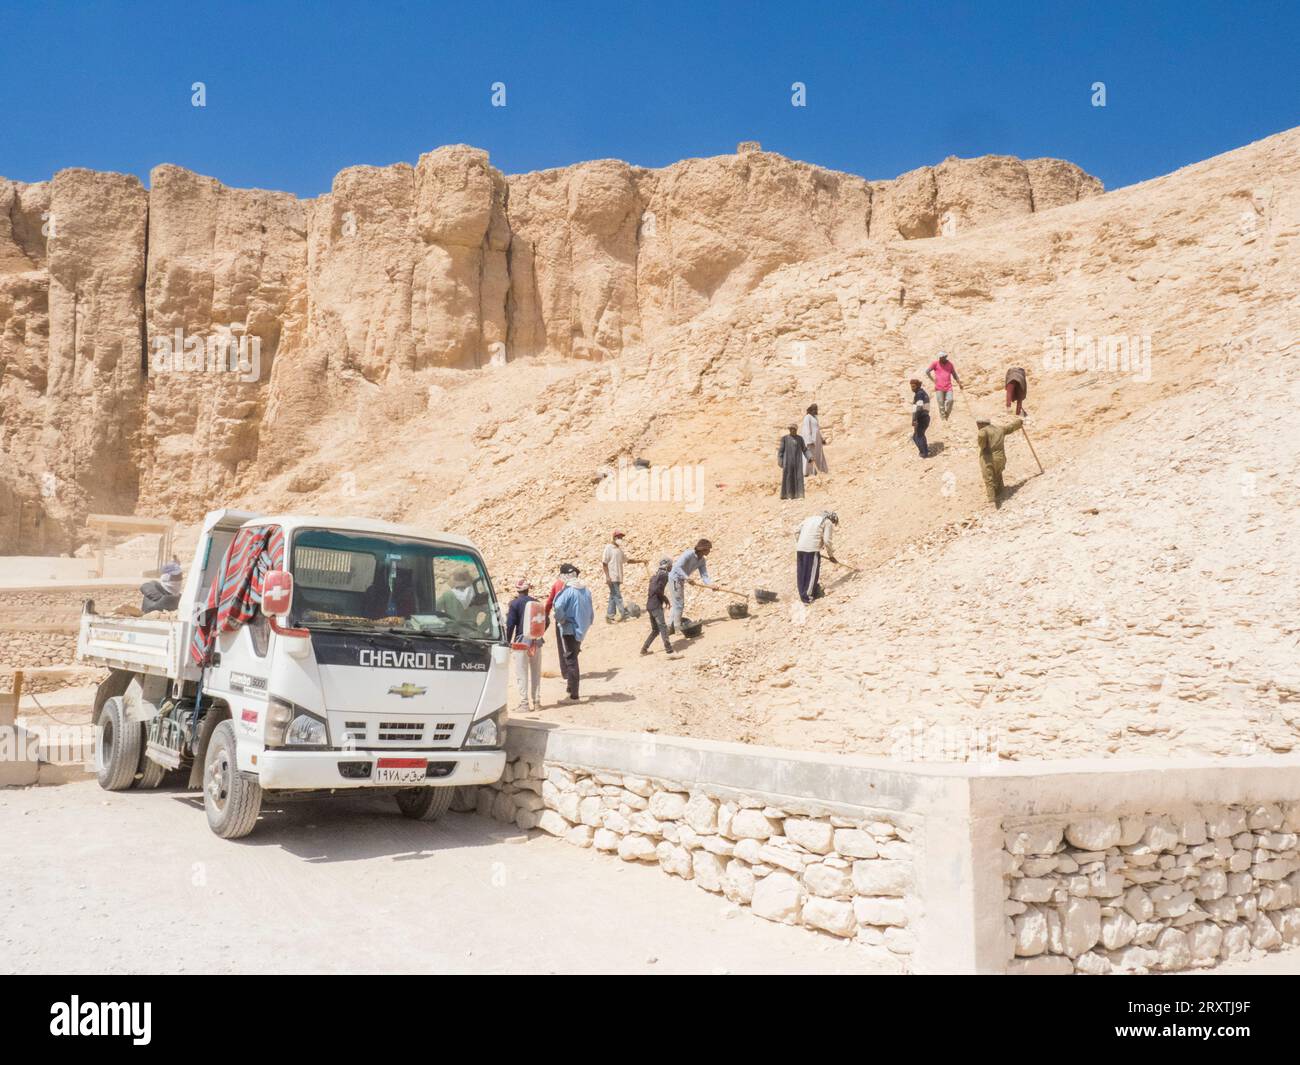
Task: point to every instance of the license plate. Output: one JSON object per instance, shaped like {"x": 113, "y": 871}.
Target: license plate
{"x": 401, "y": 771}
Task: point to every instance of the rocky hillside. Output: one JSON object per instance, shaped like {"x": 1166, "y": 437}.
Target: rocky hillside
{"x": 1134, "y": 597}
{"x": 350, "y": 301}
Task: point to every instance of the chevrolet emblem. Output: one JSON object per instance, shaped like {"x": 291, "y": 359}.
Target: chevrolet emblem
{"x": 407, "y": 691}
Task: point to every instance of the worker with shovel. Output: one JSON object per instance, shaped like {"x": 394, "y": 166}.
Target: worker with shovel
{"x": 814, "y": 538}
{"x": 993, "y": 454}
{"x": 690, "y": 562}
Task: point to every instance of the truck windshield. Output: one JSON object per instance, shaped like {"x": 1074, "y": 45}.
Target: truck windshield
{"x": 351, "y": 581}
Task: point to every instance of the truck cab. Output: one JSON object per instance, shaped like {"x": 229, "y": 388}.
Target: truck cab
{"x": 312, "y": 654}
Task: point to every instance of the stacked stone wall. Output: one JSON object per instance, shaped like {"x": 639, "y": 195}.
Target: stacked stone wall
{"x": 1155, "y": 892}
{"x": 839, "y": 871}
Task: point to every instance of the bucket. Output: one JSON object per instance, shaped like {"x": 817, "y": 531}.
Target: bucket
{"x": 692, "y": 629}
{"x": 738, "y": 610}
{"x": 764, "y": 596}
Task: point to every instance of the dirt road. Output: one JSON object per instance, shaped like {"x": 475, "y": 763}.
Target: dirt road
{"x": 134, "y": 882}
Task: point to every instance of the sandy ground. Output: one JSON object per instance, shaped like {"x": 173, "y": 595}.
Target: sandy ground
{"x": 135, "y": 882}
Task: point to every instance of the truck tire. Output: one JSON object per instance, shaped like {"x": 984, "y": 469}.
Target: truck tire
{"x": 117, "y": 747}
{"x": 150, "y": 773}
{"x": 232, "y": 799}
{"x": 425, "y": 804}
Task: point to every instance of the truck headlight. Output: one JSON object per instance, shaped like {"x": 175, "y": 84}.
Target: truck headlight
{"x": 487, "y": 732}
{"x": 289, "y": 725}
{"x": 308, "y": 730}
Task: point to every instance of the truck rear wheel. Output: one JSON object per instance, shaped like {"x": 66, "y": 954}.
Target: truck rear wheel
{"x": 425, "y": 804}
{"x": 232, "y": 799}
{"x": 117, "y": 746}
{"x": 151, "y": 773}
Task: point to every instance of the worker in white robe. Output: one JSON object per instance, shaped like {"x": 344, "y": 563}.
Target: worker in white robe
{"x": 814, "y": 444}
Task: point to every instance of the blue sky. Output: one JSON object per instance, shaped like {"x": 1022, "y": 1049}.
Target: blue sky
{"x": 295, "y": 92}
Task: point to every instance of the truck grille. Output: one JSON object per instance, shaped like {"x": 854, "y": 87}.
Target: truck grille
{"x": 376, "y": 734}
{"x": 401, "y": 731}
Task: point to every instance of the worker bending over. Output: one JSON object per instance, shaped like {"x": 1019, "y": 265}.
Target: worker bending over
{"x": 814, "y": 538}
{"x": 690, "y": 562}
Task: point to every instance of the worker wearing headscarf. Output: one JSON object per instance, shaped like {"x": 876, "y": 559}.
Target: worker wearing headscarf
{"x": 689, "y": 563}
{"x": 814, "y": 537}
{"x": 810, "y": 431}
{"x": 791, "y": 454}
{"x": 525, "y": 650}
{"x": 457, "y": 600}
{"x": 656, "y": 600}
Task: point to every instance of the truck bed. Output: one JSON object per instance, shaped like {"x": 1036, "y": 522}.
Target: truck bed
{"x": 157, "y": 646}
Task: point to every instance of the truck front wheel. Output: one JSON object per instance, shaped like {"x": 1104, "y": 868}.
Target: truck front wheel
{"x": 117, "y": 747}
{"x": 425, "y": 804}
{"x": 232, "y": 799}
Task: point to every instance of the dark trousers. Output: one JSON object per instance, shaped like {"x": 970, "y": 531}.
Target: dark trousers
{"x": 919, "y": 425}
{"x": 569, "y": 650}
{"x": 658, "y": 627}
{"x": 807, "y": 569}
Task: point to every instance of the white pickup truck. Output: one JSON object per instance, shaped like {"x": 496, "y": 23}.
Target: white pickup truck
{"x": 308, "y": 655}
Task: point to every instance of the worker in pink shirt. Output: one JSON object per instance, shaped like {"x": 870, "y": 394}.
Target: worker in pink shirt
{"x": 943, "y": 373}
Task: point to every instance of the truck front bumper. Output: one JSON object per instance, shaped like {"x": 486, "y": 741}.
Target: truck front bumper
{"x": 356, "y": 769}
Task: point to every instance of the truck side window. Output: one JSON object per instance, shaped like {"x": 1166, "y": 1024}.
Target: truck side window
{"x": 259, "y": 632}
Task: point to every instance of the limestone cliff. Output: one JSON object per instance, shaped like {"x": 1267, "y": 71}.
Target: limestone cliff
{"x": 160, "y": 348}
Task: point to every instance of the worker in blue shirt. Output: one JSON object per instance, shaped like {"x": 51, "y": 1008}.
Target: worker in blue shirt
{"x": 690, "y": 562}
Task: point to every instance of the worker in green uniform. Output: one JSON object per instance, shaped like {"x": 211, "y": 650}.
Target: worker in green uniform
{"x": 993, "y": 455}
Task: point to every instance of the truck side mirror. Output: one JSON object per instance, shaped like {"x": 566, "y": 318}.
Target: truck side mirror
{"x": 277, "y": 601}
{"x": 277, "y": 593}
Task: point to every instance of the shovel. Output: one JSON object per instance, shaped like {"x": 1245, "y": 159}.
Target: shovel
{"x": 763, "y": 595}
{"x": 851, "y": 569}
{"x": 734, "y": 610}
{"x": 721, "y": 588}
{"x": 1031, "y": 447}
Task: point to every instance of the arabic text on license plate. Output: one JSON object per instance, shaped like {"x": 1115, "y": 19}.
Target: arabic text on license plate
{"x": 399, "y": 775}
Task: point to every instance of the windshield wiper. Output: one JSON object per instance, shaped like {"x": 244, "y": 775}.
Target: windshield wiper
{"x": 470, "y": 634}
{"x": 408, "y": 634}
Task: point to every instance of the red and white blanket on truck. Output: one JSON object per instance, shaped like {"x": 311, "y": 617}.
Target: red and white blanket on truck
{"x": 236, "y": 593}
